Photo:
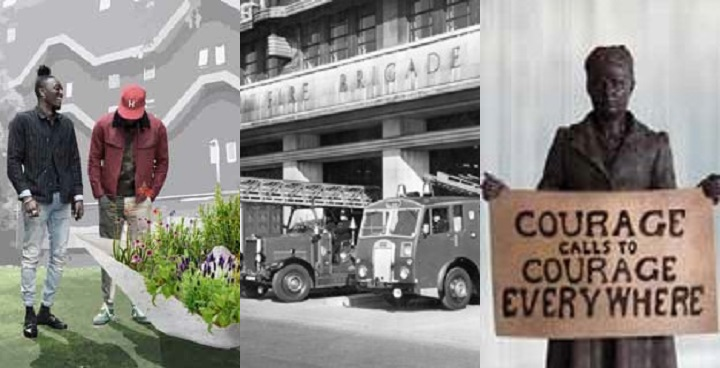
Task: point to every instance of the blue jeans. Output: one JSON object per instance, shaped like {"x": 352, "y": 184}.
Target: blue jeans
{"x": 55, "y": 218}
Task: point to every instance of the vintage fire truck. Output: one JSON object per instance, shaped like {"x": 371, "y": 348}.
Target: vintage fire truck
{"x": 305, "y": 254}
{"x": 423, "y": 245}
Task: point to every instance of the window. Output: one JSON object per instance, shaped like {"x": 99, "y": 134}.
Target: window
{"x": 457, "y": 218}
{"x": 231, "y": 151}
{"x": 11, "y": 33}
{"x": 432, "y": 17}
{"x": 249, "y": 62}
{"x": 421, "y": 19}
{"x": 339, "y": 37}
{"x": 112, "y": 108}
{"x": 149, "y": 73}
{"x": 366, "y": 41}
{"x": 220, "y": 55}
{"x": 104, "y": 5}
{"x": 457, "y": 14}
{"x": 150, "y": 104}
{"x": 8, "y": 3}
{"x": 399, "y": 222}
{"x": 203, "y": 58}
{"x": 437, "y": 219}
{"x": 68, "y": 89}
{"x": 114, "y": 81}
{"x": 311, "y": 44}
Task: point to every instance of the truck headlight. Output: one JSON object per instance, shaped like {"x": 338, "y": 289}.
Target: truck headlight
{"x": 362, "y": 271}
{"x": 406, "y": 250}
{"x": 404, "y": 272}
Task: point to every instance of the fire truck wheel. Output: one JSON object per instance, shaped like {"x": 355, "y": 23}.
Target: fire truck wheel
{"x": 292, "y": 283}
{"x": 457, "y": 289}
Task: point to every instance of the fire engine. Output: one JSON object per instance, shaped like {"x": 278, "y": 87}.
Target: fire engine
{"x": 310, "y": 255}
{"x": 423, "y": 245}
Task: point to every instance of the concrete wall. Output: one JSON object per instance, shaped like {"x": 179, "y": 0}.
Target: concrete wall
{"x": 533, "y": 82}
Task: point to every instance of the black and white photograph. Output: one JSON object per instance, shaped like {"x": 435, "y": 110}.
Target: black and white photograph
{"x": 360, "y": 183}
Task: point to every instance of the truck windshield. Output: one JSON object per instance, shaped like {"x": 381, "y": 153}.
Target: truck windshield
{"x": 390, "y": 222}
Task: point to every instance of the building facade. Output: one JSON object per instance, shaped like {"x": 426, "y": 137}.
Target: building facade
{"x": 361, "y": 92}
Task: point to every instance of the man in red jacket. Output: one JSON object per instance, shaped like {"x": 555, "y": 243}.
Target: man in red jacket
{"x": 127, "y": 167}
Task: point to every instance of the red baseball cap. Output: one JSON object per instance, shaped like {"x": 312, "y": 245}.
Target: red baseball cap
{"x": 132, "y": 102}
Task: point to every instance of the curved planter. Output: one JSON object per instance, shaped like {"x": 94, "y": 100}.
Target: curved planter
{"x": 169, "y": 316}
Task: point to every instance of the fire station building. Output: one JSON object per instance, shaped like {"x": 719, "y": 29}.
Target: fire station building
{"x": 362, "y": 92}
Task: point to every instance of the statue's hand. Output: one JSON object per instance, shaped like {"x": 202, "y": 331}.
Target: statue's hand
{"x": 711, "y": 187}
{"x": 492, "y": 187}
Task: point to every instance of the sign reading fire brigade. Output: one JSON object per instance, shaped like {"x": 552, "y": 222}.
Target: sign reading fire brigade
{"x": 444, "y": 64}
{"x": 577, "y": 265}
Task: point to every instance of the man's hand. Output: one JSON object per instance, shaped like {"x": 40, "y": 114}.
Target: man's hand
{"x": 31, "y": 207}
{"x": 711, "y": 187}
{"x": 78, "y": 210}
{"x": 492, "y": 187}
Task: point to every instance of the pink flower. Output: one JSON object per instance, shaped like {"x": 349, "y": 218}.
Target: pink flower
{"x": 149, "y": 252}
{"x": 135, "y": 259}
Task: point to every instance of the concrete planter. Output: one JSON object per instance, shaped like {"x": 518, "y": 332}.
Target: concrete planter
{"x": 168, "y": 316}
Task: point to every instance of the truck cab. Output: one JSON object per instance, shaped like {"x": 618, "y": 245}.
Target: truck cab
{"x": 421, "y": 246}
{"x": 307, "y": 257}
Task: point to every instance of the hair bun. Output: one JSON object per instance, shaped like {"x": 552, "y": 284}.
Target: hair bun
{"x": 43, "y": 71}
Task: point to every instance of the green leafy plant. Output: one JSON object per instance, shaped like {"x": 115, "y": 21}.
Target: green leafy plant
{"x": 217, "y": 300}
{"x": 175, "y": 260}
{"x": 221, "y": 221}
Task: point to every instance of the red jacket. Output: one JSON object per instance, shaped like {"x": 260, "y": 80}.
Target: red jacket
{"x": 150, "y": 151}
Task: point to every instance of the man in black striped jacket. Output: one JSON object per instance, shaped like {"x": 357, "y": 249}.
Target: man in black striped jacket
{"x": 43, "y": 165}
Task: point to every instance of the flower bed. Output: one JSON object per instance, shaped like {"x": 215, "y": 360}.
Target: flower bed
{"x": 194, "y": 261}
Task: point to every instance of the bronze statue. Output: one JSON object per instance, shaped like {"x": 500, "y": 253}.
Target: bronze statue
{"x": 609, "y": 150}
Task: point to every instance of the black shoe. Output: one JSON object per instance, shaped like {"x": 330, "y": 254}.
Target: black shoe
{"x": 46, "y": 318}
{"x": 30, "y": 325}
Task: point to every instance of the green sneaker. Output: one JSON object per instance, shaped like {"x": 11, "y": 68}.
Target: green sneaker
{"x": 138, "y": 316}
{"x": 106, "y": 315}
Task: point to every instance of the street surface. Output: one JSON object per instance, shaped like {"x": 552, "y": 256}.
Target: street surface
{"x": 323, "y": 332}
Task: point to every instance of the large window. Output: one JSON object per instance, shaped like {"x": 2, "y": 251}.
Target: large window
{"x": 311, "y": 44}
{"x": 249, "y": 63}
{"x": 366, "y": 37}
{"x": 457, "y": 14}
{"x": 339, "y": 30}
{"x": 421, "y": 19}
{"x": 432, "y": 17}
